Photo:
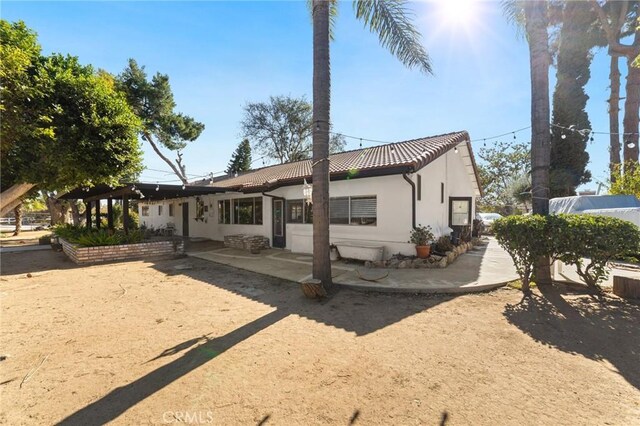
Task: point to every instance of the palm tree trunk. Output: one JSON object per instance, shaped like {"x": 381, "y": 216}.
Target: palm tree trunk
{"x": 17, "y": 213}
{"x": 536, "y": 27}
{"x": 321, "y": 114}
{"x": 631, "y": 112}
{"x": 614, "y": 123}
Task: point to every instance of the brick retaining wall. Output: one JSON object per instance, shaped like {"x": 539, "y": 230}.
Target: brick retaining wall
{"x": 246, "y": 242}
{"x": 86, "y": 255}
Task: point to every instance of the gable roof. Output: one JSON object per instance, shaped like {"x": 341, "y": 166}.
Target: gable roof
{"x": 394, "y": 158}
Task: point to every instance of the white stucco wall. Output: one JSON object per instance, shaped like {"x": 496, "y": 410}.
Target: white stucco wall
{"x": 393, "y": 197}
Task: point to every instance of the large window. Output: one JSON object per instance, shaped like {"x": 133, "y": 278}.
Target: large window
{"x": 299, "y": 212}
{"x": 353, "y": 210}
{"x": 240, "y": 211}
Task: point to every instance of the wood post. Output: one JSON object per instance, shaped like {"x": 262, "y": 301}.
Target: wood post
{"x": 125, "y": 213}
{"x": 98, "y": 218}
{"x": 110, "y": 213}
{"x": 626, "y": 287}
{"x": 88, "y": 213}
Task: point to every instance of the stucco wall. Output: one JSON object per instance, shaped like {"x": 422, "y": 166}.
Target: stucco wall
{"x": 393, "y": 196}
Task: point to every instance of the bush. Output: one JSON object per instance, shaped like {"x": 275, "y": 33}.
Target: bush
{"x": 587, "y": 241}
{"x": 97, "y": 237}
{"x": 525, "y": 238}
{"x": 443, "y": 244}
{"x": 590, "y": 242}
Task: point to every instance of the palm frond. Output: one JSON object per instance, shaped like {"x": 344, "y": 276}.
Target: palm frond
{"x": 392, "y": 21}
{"x": 513, "y": 11}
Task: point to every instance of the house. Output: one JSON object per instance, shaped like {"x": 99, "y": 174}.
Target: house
{"x": 377, "y": 194}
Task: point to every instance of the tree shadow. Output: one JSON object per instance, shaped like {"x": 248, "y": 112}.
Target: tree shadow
{"x": 18, "y": 263}
{"x": 603, "y": 328}
{"x": 352, "y": 311}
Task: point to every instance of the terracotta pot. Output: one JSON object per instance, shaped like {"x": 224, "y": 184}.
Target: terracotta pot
{"x": 423, "y": 251}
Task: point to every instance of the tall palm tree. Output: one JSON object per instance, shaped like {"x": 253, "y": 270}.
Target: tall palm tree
{"x": 391, "y": 20}
{"x": 536, "y": 24}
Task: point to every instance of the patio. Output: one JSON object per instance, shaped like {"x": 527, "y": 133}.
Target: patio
{"x": 483, "y": 268}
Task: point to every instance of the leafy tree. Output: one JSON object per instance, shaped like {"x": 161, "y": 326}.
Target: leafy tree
{"x": 569, "y": 157}
{"x": 501, "y": 163}
{"x": 63, "y": 124}
{"x": 392, "y": 22}
{"x": 282, "y": 127}
{"x": 241, "y": 158}
{"x": 153, "y": 103}
{"x": 627, "y": 183}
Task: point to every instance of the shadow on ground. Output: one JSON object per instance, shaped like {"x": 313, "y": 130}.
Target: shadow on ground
{"x": 39, "y": 261}
{"x": 355, "y": 312}
{"x": 599, "y": 330}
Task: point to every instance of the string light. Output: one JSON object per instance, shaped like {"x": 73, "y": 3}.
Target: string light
{"x": 157, "y": 187}
{"x": 455, "y": 149}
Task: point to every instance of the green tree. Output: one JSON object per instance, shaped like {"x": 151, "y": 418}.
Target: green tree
{"x": 63, "y": 124}
{"x": 392, "y": 22}
{"x": 152, "y": 101}
{"x": 500, "y": 164}
{"x": 281, "y": 128}
{"x": 241, "y": 158}
{"x": 627, "y": 183}
{"x": 569, "y": 157}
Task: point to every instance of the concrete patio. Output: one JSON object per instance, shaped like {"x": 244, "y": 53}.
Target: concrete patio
{"x": 483, "y": 268}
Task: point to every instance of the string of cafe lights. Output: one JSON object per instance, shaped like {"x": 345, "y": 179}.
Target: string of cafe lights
{"x": 361, "y": 140}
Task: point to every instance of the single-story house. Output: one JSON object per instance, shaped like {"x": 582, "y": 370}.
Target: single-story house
{"x": 377, "y": 194}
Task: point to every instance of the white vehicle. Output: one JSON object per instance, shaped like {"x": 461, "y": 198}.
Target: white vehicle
{"x": 487, "y": 220}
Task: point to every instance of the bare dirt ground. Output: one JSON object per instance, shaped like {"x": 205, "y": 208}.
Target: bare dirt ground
{"x": 188, "y": 341}
{"x": 25, "y": 238}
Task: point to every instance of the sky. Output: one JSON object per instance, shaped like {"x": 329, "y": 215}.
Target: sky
{"x": 221, "y": 55}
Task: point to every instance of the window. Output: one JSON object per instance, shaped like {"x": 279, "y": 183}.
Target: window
{"x": 339, "y": 210}
{"x": 240, "y": 211}
{"x": 199, "y": 209}
{"x": 441, "y": 192}
{"x": 363, "y": 211}
{"x": 171, "y": 209}
{"x": 353, "y": 210}
{"x": 160, "y": 210}
{"x": 295, "y": 210}
{"x": 144, "y": 210}
{"x": 459, "y": 211}
{"x": 419, "y": 194}
{"x": 224, "y": 211}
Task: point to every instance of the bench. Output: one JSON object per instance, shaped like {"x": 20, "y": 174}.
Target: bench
{"x": 360, "y": 250}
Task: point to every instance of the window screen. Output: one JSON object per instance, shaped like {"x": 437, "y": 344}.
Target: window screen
{"x": 339, "y": 210}
{"x": 363, "y": 211}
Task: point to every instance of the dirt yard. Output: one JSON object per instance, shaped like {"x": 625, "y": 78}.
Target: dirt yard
{"x": 185, "y": 341}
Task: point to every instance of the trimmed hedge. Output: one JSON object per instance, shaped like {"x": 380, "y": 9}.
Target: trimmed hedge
{"x": 588, "y": 242}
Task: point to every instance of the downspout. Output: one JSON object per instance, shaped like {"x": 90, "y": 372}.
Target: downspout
{"x": 413, "y": 199}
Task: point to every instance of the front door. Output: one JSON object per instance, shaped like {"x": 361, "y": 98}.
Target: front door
{"x": 185, "y": 219}
{"x": 279, "y": 227}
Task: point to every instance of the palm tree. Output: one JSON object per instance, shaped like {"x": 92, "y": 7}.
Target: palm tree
{"x": 391, "y": 20}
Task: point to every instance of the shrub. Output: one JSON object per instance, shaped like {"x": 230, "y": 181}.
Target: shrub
{"x": 587, "y": 241}
{"x": 590, "y": 242}
{"x": 443, "y": 244}
{"x": 421, "y": 235}
{"x": 525, "y": 238}
{"x": 97, "y": 237}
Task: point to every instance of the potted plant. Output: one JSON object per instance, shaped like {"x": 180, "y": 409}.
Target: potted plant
{"x": 422, "y": 237}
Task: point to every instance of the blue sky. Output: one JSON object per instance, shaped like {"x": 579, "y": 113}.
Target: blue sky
{"x": 220, "y": 55}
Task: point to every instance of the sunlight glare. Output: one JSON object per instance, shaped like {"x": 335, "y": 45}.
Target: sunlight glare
{"x": 457, "y": 12}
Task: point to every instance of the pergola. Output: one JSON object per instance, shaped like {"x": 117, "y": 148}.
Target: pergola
{"x": 128, "y": 191}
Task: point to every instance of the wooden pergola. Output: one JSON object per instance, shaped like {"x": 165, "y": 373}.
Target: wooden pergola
{"x": 136, "y": 191}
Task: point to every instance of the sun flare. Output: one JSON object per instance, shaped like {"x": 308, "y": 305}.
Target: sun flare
{"x": 457, "y": 12}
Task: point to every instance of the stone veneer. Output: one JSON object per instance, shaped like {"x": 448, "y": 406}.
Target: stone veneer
{"x": 86, "y": 255}
{"x": 246, "y": 242}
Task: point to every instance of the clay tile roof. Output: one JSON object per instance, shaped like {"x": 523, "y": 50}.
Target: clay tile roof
{"x": 396, "y": 157}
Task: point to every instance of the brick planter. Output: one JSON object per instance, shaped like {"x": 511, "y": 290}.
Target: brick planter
{"x": 246, "y": 242}
{"x": 87, "y": 255}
